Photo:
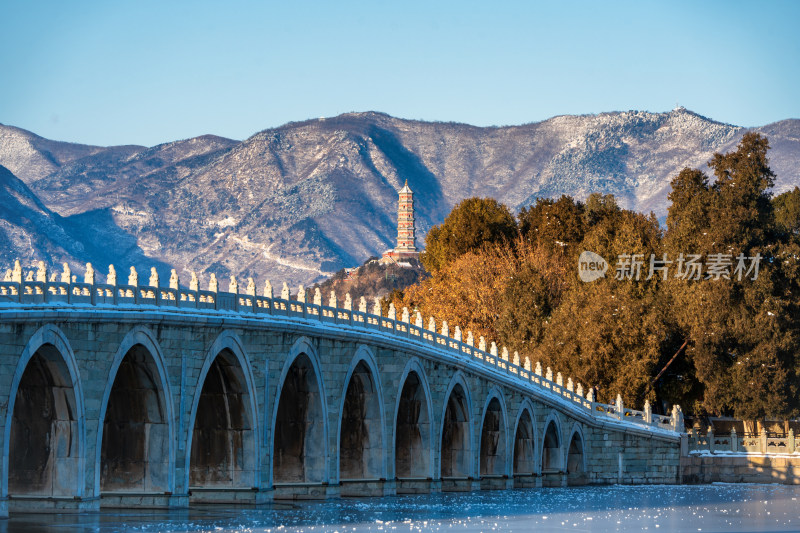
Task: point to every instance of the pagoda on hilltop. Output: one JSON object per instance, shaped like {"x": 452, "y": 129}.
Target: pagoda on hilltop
{"x": 406, "y": 249}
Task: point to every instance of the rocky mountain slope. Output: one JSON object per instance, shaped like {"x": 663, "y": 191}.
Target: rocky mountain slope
{"x": 28, "y": 229}
{"x": 31, "y": 232}
{"x": 303, "y": 200}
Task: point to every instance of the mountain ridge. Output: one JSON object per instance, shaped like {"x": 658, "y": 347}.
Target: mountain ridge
{"x": 304, "y": 199}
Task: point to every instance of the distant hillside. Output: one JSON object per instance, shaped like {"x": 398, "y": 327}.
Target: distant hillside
{"x": 304, "y": 200}
{"x": 371, "y": 280}
{"x": 31, "y": 157}
{"x": 30, "y": 232}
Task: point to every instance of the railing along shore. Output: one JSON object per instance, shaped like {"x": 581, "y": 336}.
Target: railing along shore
{"x": 745, "y": 443}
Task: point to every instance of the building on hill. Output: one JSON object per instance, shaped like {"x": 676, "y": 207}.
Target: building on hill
{"x": 406, "y": 248}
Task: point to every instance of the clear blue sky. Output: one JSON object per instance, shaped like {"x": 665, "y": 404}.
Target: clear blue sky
{"x": 142, "y": 72}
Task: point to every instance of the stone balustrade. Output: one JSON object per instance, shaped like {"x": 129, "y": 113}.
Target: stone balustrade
{"x": 746, "y": 443}
{"x": 40, "y": 286}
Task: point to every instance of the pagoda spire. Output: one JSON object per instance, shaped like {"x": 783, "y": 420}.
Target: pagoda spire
{"x": 405, "y": 221}
{"x": 406, "y": 231}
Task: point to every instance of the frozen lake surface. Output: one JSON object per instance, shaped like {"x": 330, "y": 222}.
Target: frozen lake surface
{"x": 707, "y": 508}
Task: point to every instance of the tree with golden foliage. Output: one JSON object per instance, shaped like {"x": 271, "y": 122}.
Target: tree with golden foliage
{"x": 471, "y": 224}
{"x": 724, "y": 346}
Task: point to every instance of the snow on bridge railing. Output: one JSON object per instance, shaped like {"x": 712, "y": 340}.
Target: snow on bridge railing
{"x": 63, "y": 287}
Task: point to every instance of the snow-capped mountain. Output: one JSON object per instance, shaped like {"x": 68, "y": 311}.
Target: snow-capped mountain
{"x": 300, "y": 201}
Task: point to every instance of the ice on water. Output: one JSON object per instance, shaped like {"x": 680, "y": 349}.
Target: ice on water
{"x": 717, "y": 507}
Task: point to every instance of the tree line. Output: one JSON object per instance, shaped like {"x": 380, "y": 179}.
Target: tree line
{"x": 704, "y": 312}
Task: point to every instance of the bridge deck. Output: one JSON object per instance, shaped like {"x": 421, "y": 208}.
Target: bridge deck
{"x": 78, "y": 296}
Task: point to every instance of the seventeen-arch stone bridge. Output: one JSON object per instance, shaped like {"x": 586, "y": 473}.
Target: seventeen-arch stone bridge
{"x": 118, "y": 395}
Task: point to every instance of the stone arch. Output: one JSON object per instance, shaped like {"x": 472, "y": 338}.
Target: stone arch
{"x": 551, "y": 445}
{"x": 361, "y": 419}
{"x": 136, "y": 452}
{"x": 494, "y": 430}
{"x": 223, "y": 440}
{"x": 576, "y": 457}
{"x": 525, "y": 441}
{"x": 413, "y": 444}
{"x": 455, "y": 452}
{"x": 299, "y": 444}
{"x": 41, "y": 472}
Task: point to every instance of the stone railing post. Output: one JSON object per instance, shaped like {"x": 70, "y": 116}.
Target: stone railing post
{"x": 648, "y": 412}
{"x": 133, "y": 281}
{"x": 16, "y": 273}
{"x": 763, "y": 439}
{"x": 734, "y": 441}
{"x": 111, "y": 279}
{"x": 66, "y": 277}
{"x": 88, "y": 275}
{"x": 268, "y": 293}
{"x": 677, "y": 419}
{"x": 233, "y": 288}
{"x": 285, "y": 294}
{"x": 88, "y": 278}
{"x": 710, "y": 439}
{"x": 41, "y": 272}
{"x": 790, "y": 444}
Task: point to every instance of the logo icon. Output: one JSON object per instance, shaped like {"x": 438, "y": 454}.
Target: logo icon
{"x": 591, "y": 267}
